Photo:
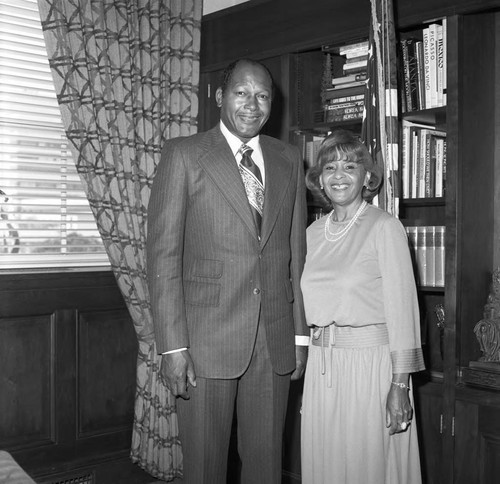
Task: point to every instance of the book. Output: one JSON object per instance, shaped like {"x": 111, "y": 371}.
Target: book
{"x": 346, "y": 104}
{"x": 355, "y": 53}
{"x": 436, "y": 163}
{"x": 430, "y": 256}
{"x": 405, "y": 161}
{"x": 440, "y": 65}
{"x": 414, "y": 156}
{"x": 440, "y": 166}
{"x": 349, "y": 84}
{"x": 357, "y": 58}
{"x": 336, "y": 118}
{"x": 406, "y": 73}
{"x": 433, "y": 74}
{"x": 427, "y": 71}
{"x": 312, "y": 148}
{"x": 419, "y": 54}
{"x": 341, "y": 114}
{"x": 362, "y": 64}
{"x": 421, "y": 255}
{"x": 439, "y": 267}
{"x": 344, "y": 92}
{"x": 356, "y": 46}
{"x": 345, "y": 108}
{"x": 427, "y": 248}
{"x": 343, "y": 99}
{"x": 360, "y": 76}
{"x": 410, "y": 76}
{"x": 423, "y": 162}
{"x": 429, "y": 164}
{"x": 445, "y": 57}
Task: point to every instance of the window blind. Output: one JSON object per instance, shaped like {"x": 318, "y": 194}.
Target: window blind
{"x": 45, "y": 219}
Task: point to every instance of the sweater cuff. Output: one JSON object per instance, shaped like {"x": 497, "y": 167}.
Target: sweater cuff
{"x": 407, "y": 361}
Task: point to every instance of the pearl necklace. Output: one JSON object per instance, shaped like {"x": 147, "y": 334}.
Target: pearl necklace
{"x": 334, "y": 236}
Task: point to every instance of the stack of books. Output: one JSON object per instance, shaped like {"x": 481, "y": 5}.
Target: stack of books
{"x": 427, "y": 244}
{"x": 423, "y": 59}
{"x": 344, "y": 100}
{"x": 423, "y": 169}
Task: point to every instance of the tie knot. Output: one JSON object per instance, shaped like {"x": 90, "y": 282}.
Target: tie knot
{"x": 246, "y": 150}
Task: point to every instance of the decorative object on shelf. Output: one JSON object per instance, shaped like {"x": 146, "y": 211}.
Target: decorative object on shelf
{"x": 487, "y": 330}
{"x": 441, "y": 324}
{"x": 380, "y": 123}
{"x": 486, "y": 370}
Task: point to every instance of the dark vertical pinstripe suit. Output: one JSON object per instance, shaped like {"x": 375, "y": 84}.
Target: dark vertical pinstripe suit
{"x": 212, "y": 282}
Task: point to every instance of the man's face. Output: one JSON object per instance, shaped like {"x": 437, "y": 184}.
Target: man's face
{"x": 245, "y": 106}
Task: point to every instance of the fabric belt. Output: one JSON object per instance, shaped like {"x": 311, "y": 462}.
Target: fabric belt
{"x": 334, "y": 336}
{"x": 349, "y": 337}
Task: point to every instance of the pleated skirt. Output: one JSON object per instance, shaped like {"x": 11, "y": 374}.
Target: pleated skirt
{"x": 344, "y": 437}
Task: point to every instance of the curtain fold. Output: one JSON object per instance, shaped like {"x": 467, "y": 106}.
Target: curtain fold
{"x": 126, "y": 74}
{"x": 380, "y": 130}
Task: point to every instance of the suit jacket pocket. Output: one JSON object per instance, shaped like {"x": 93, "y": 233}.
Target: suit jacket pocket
{"x": 202, "y": 293}
{"x": 210, "y": 268}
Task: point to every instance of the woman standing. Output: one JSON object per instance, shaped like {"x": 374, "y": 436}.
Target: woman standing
{"x": 361, "y": 304}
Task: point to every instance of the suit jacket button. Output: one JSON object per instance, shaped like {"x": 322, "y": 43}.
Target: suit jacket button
{"x": 256, "y": 291}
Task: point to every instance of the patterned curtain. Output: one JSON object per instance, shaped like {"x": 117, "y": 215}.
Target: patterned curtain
{"x": 380, "y": 123}
{"x": 127, "y": 74}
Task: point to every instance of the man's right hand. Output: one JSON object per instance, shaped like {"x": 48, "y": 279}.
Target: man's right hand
{"x": 176, "y": 371}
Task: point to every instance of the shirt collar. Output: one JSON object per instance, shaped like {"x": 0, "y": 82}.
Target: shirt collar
{"x": 235, "y": 143}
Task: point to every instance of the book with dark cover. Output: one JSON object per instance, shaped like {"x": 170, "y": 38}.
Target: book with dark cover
{"x": 344, "y": 92}
{"x": 360, "y": 76}
{"x": 403, "y": 46}
{"x": 413, "y": 73}
{"x": 419, "y": 53}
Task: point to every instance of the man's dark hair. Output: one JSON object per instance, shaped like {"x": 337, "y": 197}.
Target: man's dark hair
{"x": 228, "y": 72}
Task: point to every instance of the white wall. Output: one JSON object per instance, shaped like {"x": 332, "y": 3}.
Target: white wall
{"x": 210, "y": 6}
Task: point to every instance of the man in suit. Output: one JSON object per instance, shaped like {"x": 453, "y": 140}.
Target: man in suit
{"x": 224, "y": 274}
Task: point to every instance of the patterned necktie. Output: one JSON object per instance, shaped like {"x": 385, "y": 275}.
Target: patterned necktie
{"x": 252, "y": 180}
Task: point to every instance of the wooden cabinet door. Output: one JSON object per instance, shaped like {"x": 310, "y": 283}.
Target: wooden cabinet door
{"x": 428, "y": 417}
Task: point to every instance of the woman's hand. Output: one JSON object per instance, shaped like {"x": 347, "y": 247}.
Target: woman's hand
{"x": 399, "y": 411}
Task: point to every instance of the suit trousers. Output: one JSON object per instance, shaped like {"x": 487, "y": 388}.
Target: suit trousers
{"x": 260, "y": 397}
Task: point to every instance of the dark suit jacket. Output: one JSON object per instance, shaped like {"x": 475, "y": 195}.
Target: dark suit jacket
{"x": 210, "y": 278}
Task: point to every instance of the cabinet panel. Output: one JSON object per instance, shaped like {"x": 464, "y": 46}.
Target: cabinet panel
{"x": 429, "y": 411}
{"x": 106, "y": 383}
{"x": 477, "y": 444}
{"x": 26, "y": 384}
{"x": 489, "y": 456}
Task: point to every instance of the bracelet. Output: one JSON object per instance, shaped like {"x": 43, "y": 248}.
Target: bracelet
{"x": 404, "y": 386}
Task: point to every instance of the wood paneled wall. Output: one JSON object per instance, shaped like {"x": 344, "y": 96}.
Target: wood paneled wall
{"x": 67, "y": 369}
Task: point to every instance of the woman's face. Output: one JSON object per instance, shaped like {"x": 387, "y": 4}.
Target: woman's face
{"x": 343, "y": 181}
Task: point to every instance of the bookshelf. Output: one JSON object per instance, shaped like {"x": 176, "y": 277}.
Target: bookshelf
{"x": 459, "y": 423}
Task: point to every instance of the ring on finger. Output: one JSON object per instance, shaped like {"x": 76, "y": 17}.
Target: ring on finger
{"x": 404, "y": 425}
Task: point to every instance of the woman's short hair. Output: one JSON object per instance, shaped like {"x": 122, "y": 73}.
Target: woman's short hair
{"x": 343, "y": 144}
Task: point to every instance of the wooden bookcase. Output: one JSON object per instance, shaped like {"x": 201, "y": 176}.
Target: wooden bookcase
{"x": 458, "y": 423}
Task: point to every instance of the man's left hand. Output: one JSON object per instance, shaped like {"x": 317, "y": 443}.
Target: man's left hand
{"x": 301, "y": 360}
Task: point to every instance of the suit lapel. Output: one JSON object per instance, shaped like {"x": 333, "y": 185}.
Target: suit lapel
{"x": 278, "y": 176}
{"x": 218, "y": 162}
